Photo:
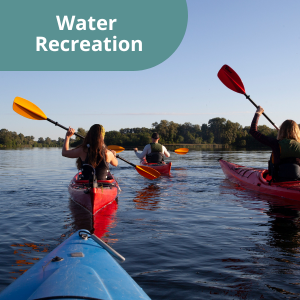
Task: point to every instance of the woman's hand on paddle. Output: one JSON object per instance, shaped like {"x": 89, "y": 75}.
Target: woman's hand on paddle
{"x": 135, "y": 149}
{"x": 259, "y": 110}
{"x": 111, "y": 157}
{"x": 73, "y": 153}
{"x": 114, "y": 152}
{"x": 70, "y": 132}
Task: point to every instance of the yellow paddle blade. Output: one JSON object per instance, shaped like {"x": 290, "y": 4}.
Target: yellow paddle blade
{"x": 181, "y": 151}
{"x": 27, "y": 109}
{"x": 116, "y": 148}
{"x": 147, "y": 172}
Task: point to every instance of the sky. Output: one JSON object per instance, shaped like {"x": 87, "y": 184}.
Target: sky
{"x": 260, "y": 40}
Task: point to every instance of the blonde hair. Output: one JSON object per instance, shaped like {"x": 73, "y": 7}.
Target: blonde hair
{"x": 289, "y": 129}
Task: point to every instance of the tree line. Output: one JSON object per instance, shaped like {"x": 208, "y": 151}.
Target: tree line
{"x": 10, "y": 139}
{"x": 216, "y": 131}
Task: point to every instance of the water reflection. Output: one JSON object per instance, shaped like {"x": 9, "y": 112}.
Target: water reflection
{"x": 179, "y": 169}
{"x": 284, "y": 221}
{"x": 105, "y": 220}
{"x": 26, "y": 254}
{"x": 284, "y": 225}
{"x": 148, "y": 197}
{"x": 102, "y": 222}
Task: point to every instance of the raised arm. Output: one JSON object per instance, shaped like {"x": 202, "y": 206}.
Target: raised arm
{"x": 256, "y": 134}
{"x": 74, "y": 153}
{"x": 111, "y": 157}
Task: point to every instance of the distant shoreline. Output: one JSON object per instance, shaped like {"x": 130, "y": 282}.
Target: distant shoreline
{"x": 170, "y": 147}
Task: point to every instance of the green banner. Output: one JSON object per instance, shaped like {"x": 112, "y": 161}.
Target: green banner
{"x": 92, "y": 35}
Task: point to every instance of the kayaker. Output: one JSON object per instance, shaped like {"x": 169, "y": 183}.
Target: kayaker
{"x": 284, "y": 164}
{"x": 91, "y": 152}
{"x": 153, "y": 152}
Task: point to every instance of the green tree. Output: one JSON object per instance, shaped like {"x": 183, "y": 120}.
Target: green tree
{"x": 211, "y": 138}
{"x": 217, "y": 127}
{"x": 82, "y": 132}
{"x": 231, "y": 131}
{"x": 166, "y": 130}
{"x": 47, "y": 141}
{"x": 205, "y": 133}
{"x": 60, "y": 142}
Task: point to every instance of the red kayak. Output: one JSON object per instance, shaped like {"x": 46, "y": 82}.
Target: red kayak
{"x": 163, "y": 168}
{"x": 259, "y": 180}
{"x": 93, "y": 199}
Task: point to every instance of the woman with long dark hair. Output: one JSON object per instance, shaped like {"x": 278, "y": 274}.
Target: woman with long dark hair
{"x": 284, "y": 164}
{"x": 92, "y": 154}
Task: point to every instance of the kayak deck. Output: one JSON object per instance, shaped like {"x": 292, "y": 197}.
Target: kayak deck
{"x": 93, "y": 199}
{"x": 77, "y": 269}
{"x": 260, "y": 180}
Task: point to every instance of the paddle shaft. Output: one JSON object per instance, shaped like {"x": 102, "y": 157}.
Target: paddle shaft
{"x": 126, "y": 161}
{"x": 109, "y": 249}
{"x": 248, "y": 97}
{"x": 63, "y": 127}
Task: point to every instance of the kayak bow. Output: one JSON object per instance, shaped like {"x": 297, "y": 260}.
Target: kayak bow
{"x": 79, "y": 268}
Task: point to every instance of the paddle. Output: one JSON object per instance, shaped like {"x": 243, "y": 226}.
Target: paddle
{"x": 29, "y": 110}
{"x": 145, "y": 171}
{"x": 118, "y": 149}
{"x": 181, "y": 151}
{"x": 232, "y": 80}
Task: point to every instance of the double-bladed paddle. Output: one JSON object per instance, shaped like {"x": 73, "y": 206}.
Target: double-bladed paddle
{"x": 232, "y": 80}
{"x": 142, "y": 169}
{"x": 181, "y": 151}
{"x": 29, "y": 110}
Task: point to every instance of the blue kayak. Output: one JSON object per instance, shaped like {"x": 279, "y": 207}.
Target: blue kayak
{"x": 79, "y": 268}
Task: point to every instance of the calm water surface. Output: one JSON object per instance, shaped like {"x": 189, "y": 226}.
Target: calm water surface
{"x": 194, "y": 235}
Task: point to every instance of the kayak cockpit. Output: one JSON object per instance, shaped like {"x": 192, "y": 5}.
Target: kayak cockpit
{"x": 100, "y": 183}
{"x": 266, "y": 176}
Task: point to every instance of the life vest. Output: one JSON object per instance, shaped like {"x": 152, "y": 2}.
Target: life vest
{"x": 288, "y": 168}
{"x": 101, "y": 170}
{"x": 156, "y": 156}
{"x": 289, "y": 149}
{"x": 156, "y": 147}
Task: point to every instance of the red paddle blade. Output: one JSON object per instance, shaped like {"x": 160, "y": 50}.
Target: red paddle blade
{"x": 231, "y": 79}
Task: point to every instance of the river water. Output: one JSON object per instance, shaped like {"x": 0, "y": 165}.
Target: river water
{"x": 194, "y": 235}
